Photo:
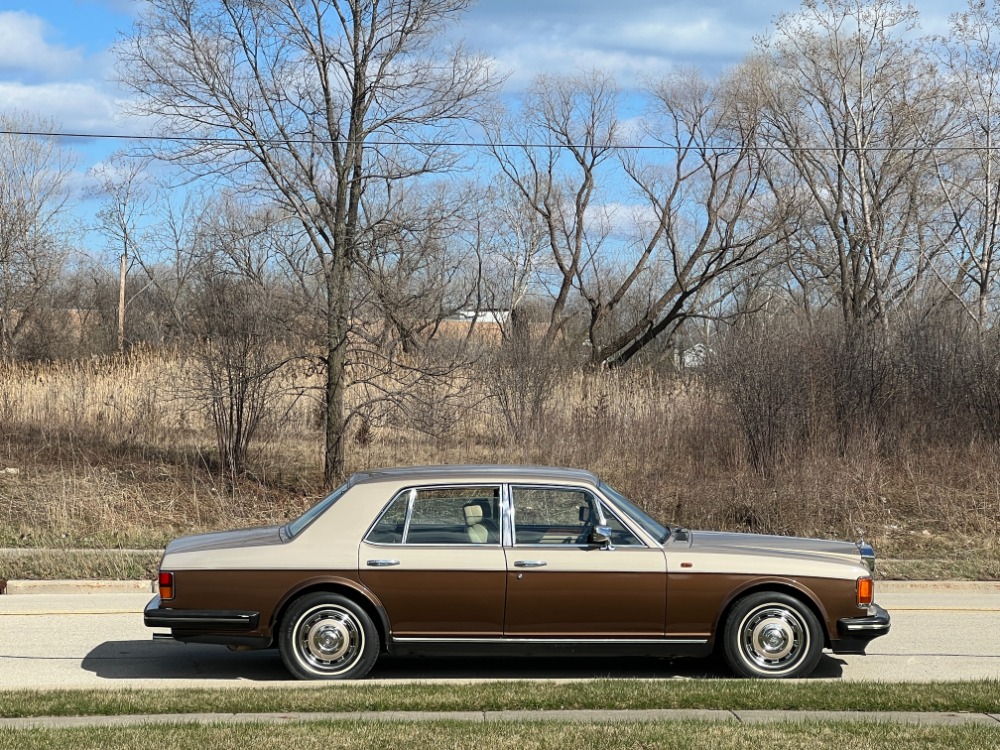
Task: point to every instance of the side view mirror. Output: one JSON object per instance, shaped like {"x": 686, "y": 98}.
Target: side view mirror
{"x": 601, "y": 535}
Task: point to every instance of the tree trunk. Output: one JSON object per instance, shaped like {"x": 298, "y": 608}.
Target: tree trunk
{"x": 337, "y": 328}
{"x": 121, "y": 302}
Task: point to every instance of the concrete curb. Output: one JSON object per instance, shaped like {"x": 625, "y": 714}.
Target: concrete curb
{"x": 916, "y": 587}
{"x": 143, "y": 587}
{"x": 483, "y": 717}
{"x": 28, "y": 551}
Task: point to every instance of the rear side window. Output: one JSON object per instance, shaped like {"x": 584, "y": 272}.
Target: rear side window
{"x": 440, "y": 516}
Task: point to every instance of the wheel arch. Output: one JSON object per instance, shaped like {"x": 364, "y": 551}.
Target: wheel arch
{"x": 781, "y": 586}
{"x": 346, "y": 588}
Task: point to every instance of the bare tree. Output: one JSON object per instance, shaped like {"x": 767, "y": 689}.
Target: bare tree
{"x": 552, "y": 152}
{"x": 33, "y": 212}
{"x": 969, "y": 174}
{"x": 299, "y": 100}
{"x": 126, "y": 199}
{"x": 414, "y": 259}
{"x": 848, "y": 103}
{"x": 702, "y": 208}
{"x": 511, "y": 241}
{"x": 711, "y": 213}
{"x": 174, "y": 247}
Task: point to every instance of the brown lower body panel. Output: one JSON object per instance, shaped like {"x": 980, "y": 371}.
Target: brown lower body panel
{"x": 696, "y": 601}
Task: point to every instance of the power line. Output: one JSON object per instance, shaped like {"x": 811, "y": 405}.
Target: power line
{"x": 473, "y": 144}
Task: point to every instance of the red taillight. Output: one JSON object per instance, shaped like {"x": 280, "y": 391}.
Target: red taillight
{"x": 166, "y": 584}
{"x": 866, "y": 591}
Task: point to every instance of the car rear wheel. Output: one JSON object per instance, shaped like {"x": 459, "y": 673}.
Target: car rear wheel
{"x": 770, "y": 634}
{"x": 327, "y": 636}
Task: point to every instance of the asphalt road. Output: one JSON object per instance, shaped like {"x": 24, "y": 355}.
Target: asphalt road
{"x": 939, "y": 632}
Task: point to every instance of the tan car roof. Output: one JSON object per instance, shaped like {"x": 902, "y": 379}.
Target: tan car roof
{"x": 486, "y": 473}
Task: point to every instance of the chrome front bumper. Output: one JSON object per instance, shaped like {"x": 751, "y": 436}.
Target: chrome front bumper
{"x": 857, "y": 632}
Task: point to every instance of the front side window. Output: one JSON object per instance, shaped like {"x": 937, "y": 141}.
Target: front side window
{"x": 557, "y": 515}
{"x": 440, "y": 515}
{"x": 552, "y": 515}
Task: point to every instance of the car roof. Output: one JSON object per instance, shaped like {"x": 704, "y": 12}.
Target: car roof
{"x": 486, "y": 473}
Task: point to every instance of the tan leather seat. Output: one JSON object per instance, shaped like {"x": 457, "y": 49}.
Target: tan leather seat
{"x": 478, "y": 534}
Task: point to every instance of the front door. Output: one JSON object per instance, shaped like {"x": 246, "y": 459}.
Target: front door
{"x": 559, "y": 585}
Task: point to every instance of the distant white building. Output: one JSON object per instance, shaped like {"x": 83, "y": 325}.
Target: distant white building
{"x": 496, "y": 317}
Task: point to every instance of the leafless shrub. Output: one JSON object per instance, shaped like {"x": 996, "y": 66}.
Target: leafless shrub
{"x": 984, "y": 388}
{"x": 236, "y": 359}
{"x": 522, "y": 379}
{"x": 763, "y": 373}
{"x": 865, "y": 386}
{"x": 435, "y": 407}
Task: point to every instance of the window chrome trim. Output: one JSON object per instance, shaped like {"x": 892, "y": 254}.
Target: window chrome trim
{"x": 506, "y": 516}
{"x": 409, "y": 515}
{"x": 643, "y": 533}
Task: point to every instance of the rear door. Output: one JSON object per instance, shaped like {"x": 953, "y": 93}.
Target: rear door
{"x": 435, "y": 561}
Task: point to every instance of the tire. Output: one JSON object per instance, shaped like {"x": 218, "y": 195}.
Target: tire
{"x": 327, "y": 636}
{"x": 770, "y": 635}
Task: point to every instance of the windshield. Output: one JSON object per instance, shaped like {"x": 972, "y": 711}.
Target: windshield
{"x": 654, "y": 528}
{"x": 293, "y": 528}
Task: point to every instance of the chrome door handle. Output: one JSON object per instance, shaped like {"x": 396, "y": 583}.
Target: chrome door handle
{"x": 382, "y": 563}
{"x": 529, "y": 563}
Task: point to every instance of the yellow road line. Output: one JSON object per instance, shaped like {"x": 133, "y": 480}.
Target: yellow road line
{"x": 942, "y": 609}
{"x": 51, "y": 614}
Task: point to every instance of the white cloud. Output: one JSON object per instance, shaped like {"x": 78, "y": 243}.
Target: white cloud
{"x": 126, "y": 7}
{"x": 74, "y": 106}
{"x": 526, "y": 61}
{"x": 25, "y": 51}
{"x": 631, "y": 38}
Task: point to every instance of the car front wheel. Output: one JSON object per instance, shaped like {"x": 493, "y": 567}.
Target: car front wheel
{"x": 770, "y": 634}
{"x": 327, "y": 636}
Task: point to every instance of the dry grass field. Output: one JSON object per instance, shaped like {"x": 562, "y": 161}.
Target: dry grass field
{"x": 118, "y": 454}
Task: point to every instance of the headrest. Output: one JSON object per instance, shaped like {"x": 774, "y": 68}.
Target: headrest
{"x": 473, "y": 514}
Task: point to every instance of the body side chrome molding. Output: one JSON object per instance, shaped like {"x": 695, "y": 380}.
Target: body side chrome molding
{"x": 581, "y": 641}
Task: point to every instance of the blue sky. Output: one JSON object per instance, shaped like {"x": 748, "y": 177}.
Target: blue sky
{"x": 56, "y": 57}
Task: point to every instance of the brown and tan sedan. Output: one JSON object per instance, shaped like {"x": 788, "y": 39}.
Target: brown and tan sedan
{"x": 511, "y": 560}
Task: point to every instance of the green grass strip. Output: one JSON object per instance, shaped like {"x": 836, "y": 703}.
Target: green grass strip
{"x": 680, "y": 735}
{"x": 978, "y": 697}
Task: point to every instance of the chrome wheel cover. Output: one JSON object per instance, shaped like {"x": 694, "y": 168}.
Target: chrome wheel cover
{"x": 329, "y": 639}
{"x": 773, "y": 638}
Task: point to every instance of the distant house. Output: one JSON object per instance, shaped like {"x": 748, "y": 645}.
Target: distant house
{"x": 691, "y": 358}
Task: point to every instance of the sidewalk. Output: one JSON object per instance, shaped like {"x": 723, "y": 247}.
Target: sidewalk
{"x": 485, "y": 717}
